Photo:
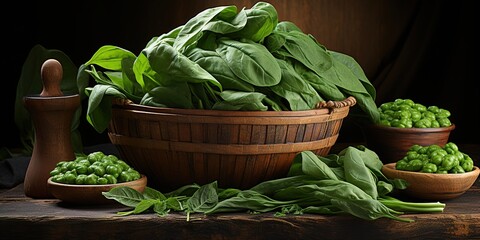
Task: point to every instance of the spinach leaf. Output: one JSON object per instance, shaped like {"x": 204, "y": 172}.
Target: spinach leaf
{"x": 99, "y": 111}
{"x": 110, "y": 57}
{"x": 357, "y": 71}
{"x": 262, "y": 18}
{"x": 250, "y": 61}
{"x": 192, "y": 31}
{"x": 357, "y": 173}
{"x": 321, "y": 83}
{"x": 125, "y": 195}
{"x": 204, "y": 199}
{"x": 248, "y": 200}
{"x": 305, "y": 50}
{"x": 312, "y": 166}
{"x": 176, "y": 95}
{"x": 369, "y": 209}
{"x": 173, "y": 66}
{"x": 250, "y": 101}
{"x": 299, "y": 94}
{"x": 215, "y": 65}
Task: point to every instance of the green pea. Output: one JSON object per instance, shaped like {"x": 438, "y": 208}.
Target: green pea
{"x": 69, "y": 177}
{"x": 125, "y": 177}
{"x": 95, "y": 156}
{"x": 81, "y": 169}
{"x": 58, "y": 178}
{"x": 444, "y": 122}
{"x": 102, "y": 181}
{"x": 429, "y": 168}
{"x": 91, "y": 179}
{"x": 80, "y": 179}
{"x": 55, "y": 171}
{"x": 110, "y": 179}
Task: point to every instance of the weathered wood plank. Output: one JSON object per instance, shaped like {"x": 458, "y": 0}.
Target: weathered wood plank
{"x": 22, "y": 217}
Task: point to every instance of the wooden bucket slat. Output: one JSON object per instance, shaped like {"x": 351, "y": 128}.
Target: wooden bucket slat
{"x": 235, "y": 149}
{"x": 176, "y": 147}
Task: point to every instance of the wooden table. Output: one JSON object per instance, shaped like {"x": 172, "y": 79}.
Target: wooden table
{"x": 25, "y": 218}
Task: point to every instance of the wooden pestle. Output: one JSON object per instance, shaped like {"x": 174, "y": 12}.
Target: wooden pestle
{"x": 51, "y": 113}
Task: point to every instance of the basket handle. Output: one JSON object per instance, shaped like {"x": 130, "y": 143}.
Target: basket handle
{"x": 349, "y": 101}
{"x": 121, "y": 101}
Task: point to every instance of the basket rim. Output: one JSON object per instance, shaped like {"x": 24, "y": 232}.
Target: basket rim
{"x": 323, "y": 108}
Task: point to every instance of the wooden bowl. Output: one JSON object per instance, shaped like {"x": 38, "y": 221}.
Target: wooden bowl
{"x": 90, "y": 194}
{"x": 239, "y": 149}
{"x": 392, "y": 143}
{"x": 433, "y": 186}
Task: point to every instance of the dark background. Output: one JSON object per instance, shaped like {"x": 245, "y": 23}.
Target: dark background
{"x": 423, "y": 50}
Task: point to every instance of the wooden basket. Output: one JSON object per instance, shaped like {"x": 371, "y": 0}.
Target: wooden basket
{"x": 239, "y": 149}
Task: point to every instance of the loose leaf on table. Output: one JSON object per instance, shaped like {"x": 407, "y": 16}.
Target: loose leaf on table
{"x": 369, "y": 209}
{"x": 248, "y": 200}
{"x": 204, "y": 199}
{"x": 311, "y": 166}
{"x": 357, "y": 173}
{"x": 125, "y": 195}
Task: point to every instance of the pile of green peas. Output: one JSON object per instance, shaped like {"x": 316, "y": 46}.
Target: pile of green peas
{"x": 95, "y": 168}
{"x": 405, "y": 113}
{"x": 435, "y": 159}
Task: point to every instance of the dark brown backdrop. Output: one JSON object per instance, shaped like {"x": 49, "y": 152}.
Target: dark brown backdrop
{"x": 423, "y": 50}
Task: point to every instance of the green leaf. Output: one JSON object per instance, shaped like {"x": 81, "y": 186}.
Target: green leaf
{"x": 204, "y": 199}
{"x": 175, "y": 96}
{"x": 192, "y": 31}
{"x": 110, "y": 57}
{"x": 170, "y": 66}
{"x": 150, "y": 193}
{"x": 357, "y": 70}
{"x": 299, "y": 93}
{"x": 305, "y": 50}
{"x": 250, "y": 61}
{"x": 233, "y": 100}
{"x": 369, "y": 209}
{"x": 125, "y": 195}
{"x": 262, "y": 18}
{"x": 357, "y": 173}
{"x": 99, "y": 111}
{"x": 215, "y": 65}
{"x": 314, "y": 167}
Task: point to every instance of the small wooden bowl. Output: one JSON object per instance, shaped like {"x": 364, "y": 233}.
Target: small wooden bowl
{"x": 432, "y": 186}
{"x": 392, "y": 143}
{"x": 90, "y": 194}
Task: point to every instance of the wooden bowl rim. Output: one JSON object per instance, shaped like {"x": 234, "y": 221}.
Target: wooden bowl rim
{"x": 412, "y": 129}
{"x": 99, "y": 186}
{"x": 390, "y": 167}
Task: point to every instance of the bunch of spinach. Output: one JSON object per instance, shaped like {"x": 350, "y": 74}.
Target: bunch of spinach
{"x": 350, "y": 182}
{"x": 228, "y": 60}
